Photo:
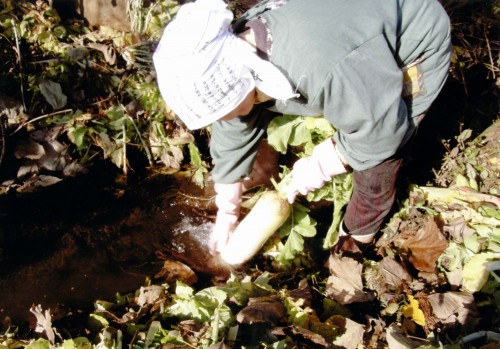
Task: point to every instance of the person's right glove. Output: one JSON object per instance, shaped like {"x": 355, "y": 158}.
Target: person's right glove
{"x": 312, "y": 172}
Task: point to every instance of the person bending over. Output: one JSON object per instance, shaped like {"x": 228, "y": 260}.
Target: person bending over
{"x": 372, "y": 68}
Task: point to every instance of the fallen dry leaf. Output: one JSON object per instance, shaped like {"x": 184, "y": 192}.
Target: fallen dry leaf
{"x": 451, "y": 307}
{"x": 425, "y": 246}
{"x": 172, "y": 157}
{"x": 352, "y": 337}
{"x": 107, "y": 51}
{"x": 396, "y": 338}
{"x": 53, "y": 94}
{"x": 262, "y": 309}
{"x": 173, "y": 271}
{"x": 35, "y": 183}
{"x": 393, "y": 272}
{"x": 150, "y": 295}
{"x": 345, "y": 285}
{"x": 301, "y": 334}
{"x": 29, "y": 149}
{"x": 303, "y": 292}
{"x": 376, "y": 328}
{"x": 192, "y": 330}
{"x": 180, "y": 137}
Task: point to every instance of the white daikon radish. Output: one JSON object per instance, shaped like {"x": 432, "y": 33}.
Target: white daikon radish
{"x": 270, "y": 211}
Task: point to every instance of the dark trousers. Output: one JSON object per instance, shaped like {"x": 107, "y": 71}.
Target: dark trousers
{"x": 374, "y": 191}
{"x": 373, "y": 195}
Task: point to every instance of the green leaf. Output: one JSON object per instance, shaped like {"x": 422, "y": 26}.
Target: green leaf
{"x": 97, "y": 321}
{"x": 77, "y": 136}
{"x": 40, "y": 343}
{"x": 489, "y": 211}
{"x": 304, "y": 224}
{"x": 298, "y": 226}
{"x": 465, "y": 135}
{"x": 77, "y": 343}
{"x": 187, "y": 309}
{"x": 280, "y": 130}
{"x": 118, "y": 124}
{"x": 293, "y": 245}
{"x": 200, "y": 306}
{"x": 473, "y": 243}
{"x": 184, "y": 291}
{"x": 240, "y": 291}
{"x": 342, "y": 187}
{"x": 53, "y": 94}
{"x": 475, "y": 274}
{"x": 152, "y": 331}
{"x": 197, "y": 164}
{"x": 461, "y": 181}
{"x": 301, "y": 134}
{"x": 211, "y": 297}
{"x": 115, "y": 112}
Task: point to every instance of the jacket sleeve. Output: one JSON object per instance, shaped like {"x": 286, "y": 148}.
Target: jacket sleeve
{"x": 363, "y": 100}
{"x": 234, "y": 144}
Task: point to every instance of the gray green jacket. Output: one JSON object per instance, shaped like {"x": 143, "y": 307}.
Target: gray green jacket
{"x": 346, "y": 59}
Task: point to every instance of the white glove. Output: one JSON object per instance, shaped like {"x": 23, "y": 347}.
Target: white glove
{"x": 228, "y": 202}
{"x": 312, "y": 172}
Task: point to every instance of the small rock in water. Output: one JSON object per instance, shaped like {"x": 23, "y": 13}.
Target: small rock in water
{"x": 189, "y": 244}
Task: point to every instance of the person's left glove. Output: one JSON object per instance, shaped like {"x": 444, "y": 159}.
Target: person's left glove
{"x": 312, "y": 172}
{"x": 228, "y": 202}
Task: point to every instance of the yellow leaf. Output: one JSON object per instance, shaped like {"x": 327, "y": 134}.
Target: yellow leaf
{"x": 413, "y": 312}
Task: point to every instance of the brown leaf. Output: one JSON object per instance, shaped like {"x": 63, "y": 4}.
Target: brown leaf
{"x": 393, "y": 272}
{"x": 150, "y": 295}
{"x": 348, "y": 247}
{"x": 29, "y": 167}
{"x": 29, "y": 149}
{"x": 47, "y": 134}
{"x": 397, "y": 339}
{"x": 73, "y": 168}
{"x": 303, "y": 292}
{"x": 37, "y": 182}
{"x": 352, "y": 337}
{"x": 172, "y": 157}
{"x": 262, "y": 309}
{"x": 107, "y": 51}
{"x": 173, "y": 270}
{"x": 181, "y": 137}
{"x": 301, "y": 334}
{"x": 425, "y": 246}
{"x": 458, "y": 229}
{"x": 54, "y": 158}
{"x": 376, "y": 328}
{"x": 345, "y": 285}
{"x": 450, "y": 307}
{"x": 13, "y": 110}
{"x": 192, "y": 330}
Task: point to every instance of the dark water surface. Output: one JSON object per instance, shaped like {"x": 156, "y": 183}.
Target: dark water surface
{"x": 87, "y": 238}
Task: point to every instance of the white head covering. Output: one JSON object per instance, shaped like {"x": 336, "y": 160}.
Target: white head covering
{"x": 204, "y": 71}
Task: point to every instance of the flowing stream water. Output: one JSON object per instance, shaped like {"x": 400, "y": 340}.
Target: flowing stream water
{"x": 87, "y": 238}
